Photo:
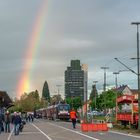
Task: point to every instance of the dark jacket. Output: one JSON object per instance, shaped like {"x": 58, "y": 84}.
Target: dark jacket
{"x": 1, "y": 119}
{"x": 16, "y": 119}
{"x": 7, "y": 118}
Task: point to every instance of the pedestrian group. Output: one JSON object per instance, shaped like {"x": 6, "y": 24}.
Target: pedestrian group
{"x": 6, "y": 119}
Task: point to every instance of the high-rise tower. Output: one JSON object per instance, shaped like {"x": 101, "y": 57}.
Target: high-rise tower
{"x": 75, "y": 80}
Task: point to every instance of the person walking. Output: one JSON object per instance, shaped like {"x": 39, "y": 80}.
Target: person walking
{"x": 7, "y": 120}
{"x": 1, "y": 122}
{"x": 32, "y": 117}
{"x": 16, "y": 121}
{"x": 73, "y": 117}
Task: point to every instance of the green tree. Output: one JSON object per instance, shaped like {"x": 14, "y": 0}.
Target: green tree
{"x": 110, "y": 99}
{"x": 107, "y": 100}
{"x": 74, "y": 102}
{"x": 100, "y": 102}
{"x": 94, "y": 93}
{"x": 56, "y": 99}
{"x": 27, "y": 102}
{"x": 46, "y": 92}
{"x": 93, "y": 97}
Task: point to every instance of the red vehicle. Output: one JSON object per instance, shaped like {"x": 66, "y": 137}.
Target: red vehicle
{"x": 41, "y": 113}
{"x": 127, "y": 116}
{"x": 58, "y": 111}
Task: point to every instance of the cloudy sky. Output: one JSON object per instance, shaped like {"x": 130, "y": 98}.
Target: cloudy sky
{"x": 93, "y": 31}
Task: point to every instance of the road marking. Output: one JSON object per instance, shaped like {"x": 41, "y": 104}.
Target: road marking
{"x": 75, "y": 132}
{"x": 42, "y": 132}
{"x": 130, "y": 135}
{"x": 10, "y": 134}
{"x": 56, "y": 133}
{"x": 30, "y": 133}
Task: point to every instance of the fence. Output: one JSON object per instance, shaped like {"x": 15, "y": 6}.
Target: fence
{"x": 94, "y": 127}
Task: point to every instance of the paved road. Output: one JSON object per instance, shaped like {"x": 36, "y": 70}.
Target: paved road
{"x": 50, "y": 130}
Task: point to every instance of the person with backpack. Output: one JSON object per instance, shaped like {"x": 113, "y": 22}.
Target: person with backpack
{"x": 16, "y": 120}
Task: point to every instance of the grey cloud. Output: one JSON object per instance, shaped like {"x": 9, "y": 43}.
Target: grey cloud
{"x": 94, "y": 31}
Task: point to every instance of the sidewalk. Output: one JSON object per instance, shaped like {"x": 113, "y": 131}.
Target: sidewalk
{"x": 28, "y": 130}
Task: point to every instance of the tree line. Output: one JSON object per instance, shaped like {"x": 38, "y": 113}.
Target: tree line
{"x": 32, "y": 101}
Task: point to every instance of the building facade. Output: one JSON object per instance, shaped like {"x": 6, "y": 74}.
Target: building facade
{"x": 5, "y": 101}
{"x": 125, "y": 90}
{"x": 75, "y": 81}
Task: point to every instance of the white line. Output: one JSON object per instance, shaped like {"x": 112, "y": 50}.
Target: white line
{"x": 120, "y": 133}
{"x": 41, "y": 132}
{"x": 125, "y": 134}
{"x": 10, "y": 134}
{"x": 30, "y": 132}
{"x": 75, "y": 132}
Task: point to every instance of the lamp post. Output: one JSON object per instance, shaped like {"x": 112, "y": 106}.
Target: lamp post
{"x": 116, "y": 83}
{"x": 116, "y": 79}
{"x": 138, "y": 71}
{"x": 85, "y": 105}
{"x": 104, "y": 68}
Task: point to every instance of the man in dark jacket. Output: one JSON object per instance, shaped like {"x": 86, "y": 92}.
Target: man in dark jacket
{"x": 7, "y": 120}
{"x": 16, "y": 121}
{"x": 1, "y": 122}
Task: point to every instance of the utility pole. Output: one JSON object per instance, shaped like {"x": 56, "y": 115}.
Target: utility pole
{"x": 94, "y": 82}
{"x": 104, "y": 68}
{"x": 116, "y": 79}
{"x": 116, "y": 83}
{"x": 138, "y": 71}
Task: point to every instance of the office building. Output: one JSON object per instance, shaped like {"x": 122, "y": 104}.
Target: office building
{"x": 76, "y": 80}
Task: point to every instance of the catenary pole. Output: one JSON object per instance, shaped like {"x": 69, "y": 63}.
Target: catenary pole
{"x": 138, "y": 71}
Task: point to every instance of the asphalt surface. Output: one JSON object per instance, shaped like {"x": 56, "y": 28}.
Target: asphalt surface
{"x": 57, "y": 130}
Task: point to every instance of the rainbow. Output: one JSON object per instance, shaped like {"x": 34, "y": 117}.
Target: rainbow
{"x": 32, "y": 48}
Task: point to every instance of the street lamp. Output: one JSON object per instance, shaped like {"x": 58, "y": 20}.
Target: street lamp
{"x": 85, "y": 105}
{"x": 116, "y": 73}
{"x": 138, "y": 71}
{"x": 104, "y": 68}
{"x": 116, "y": 79}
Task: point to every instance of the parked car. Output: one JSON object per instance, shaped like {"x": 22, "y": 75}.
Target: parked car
{"x": 96, "y": 113}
